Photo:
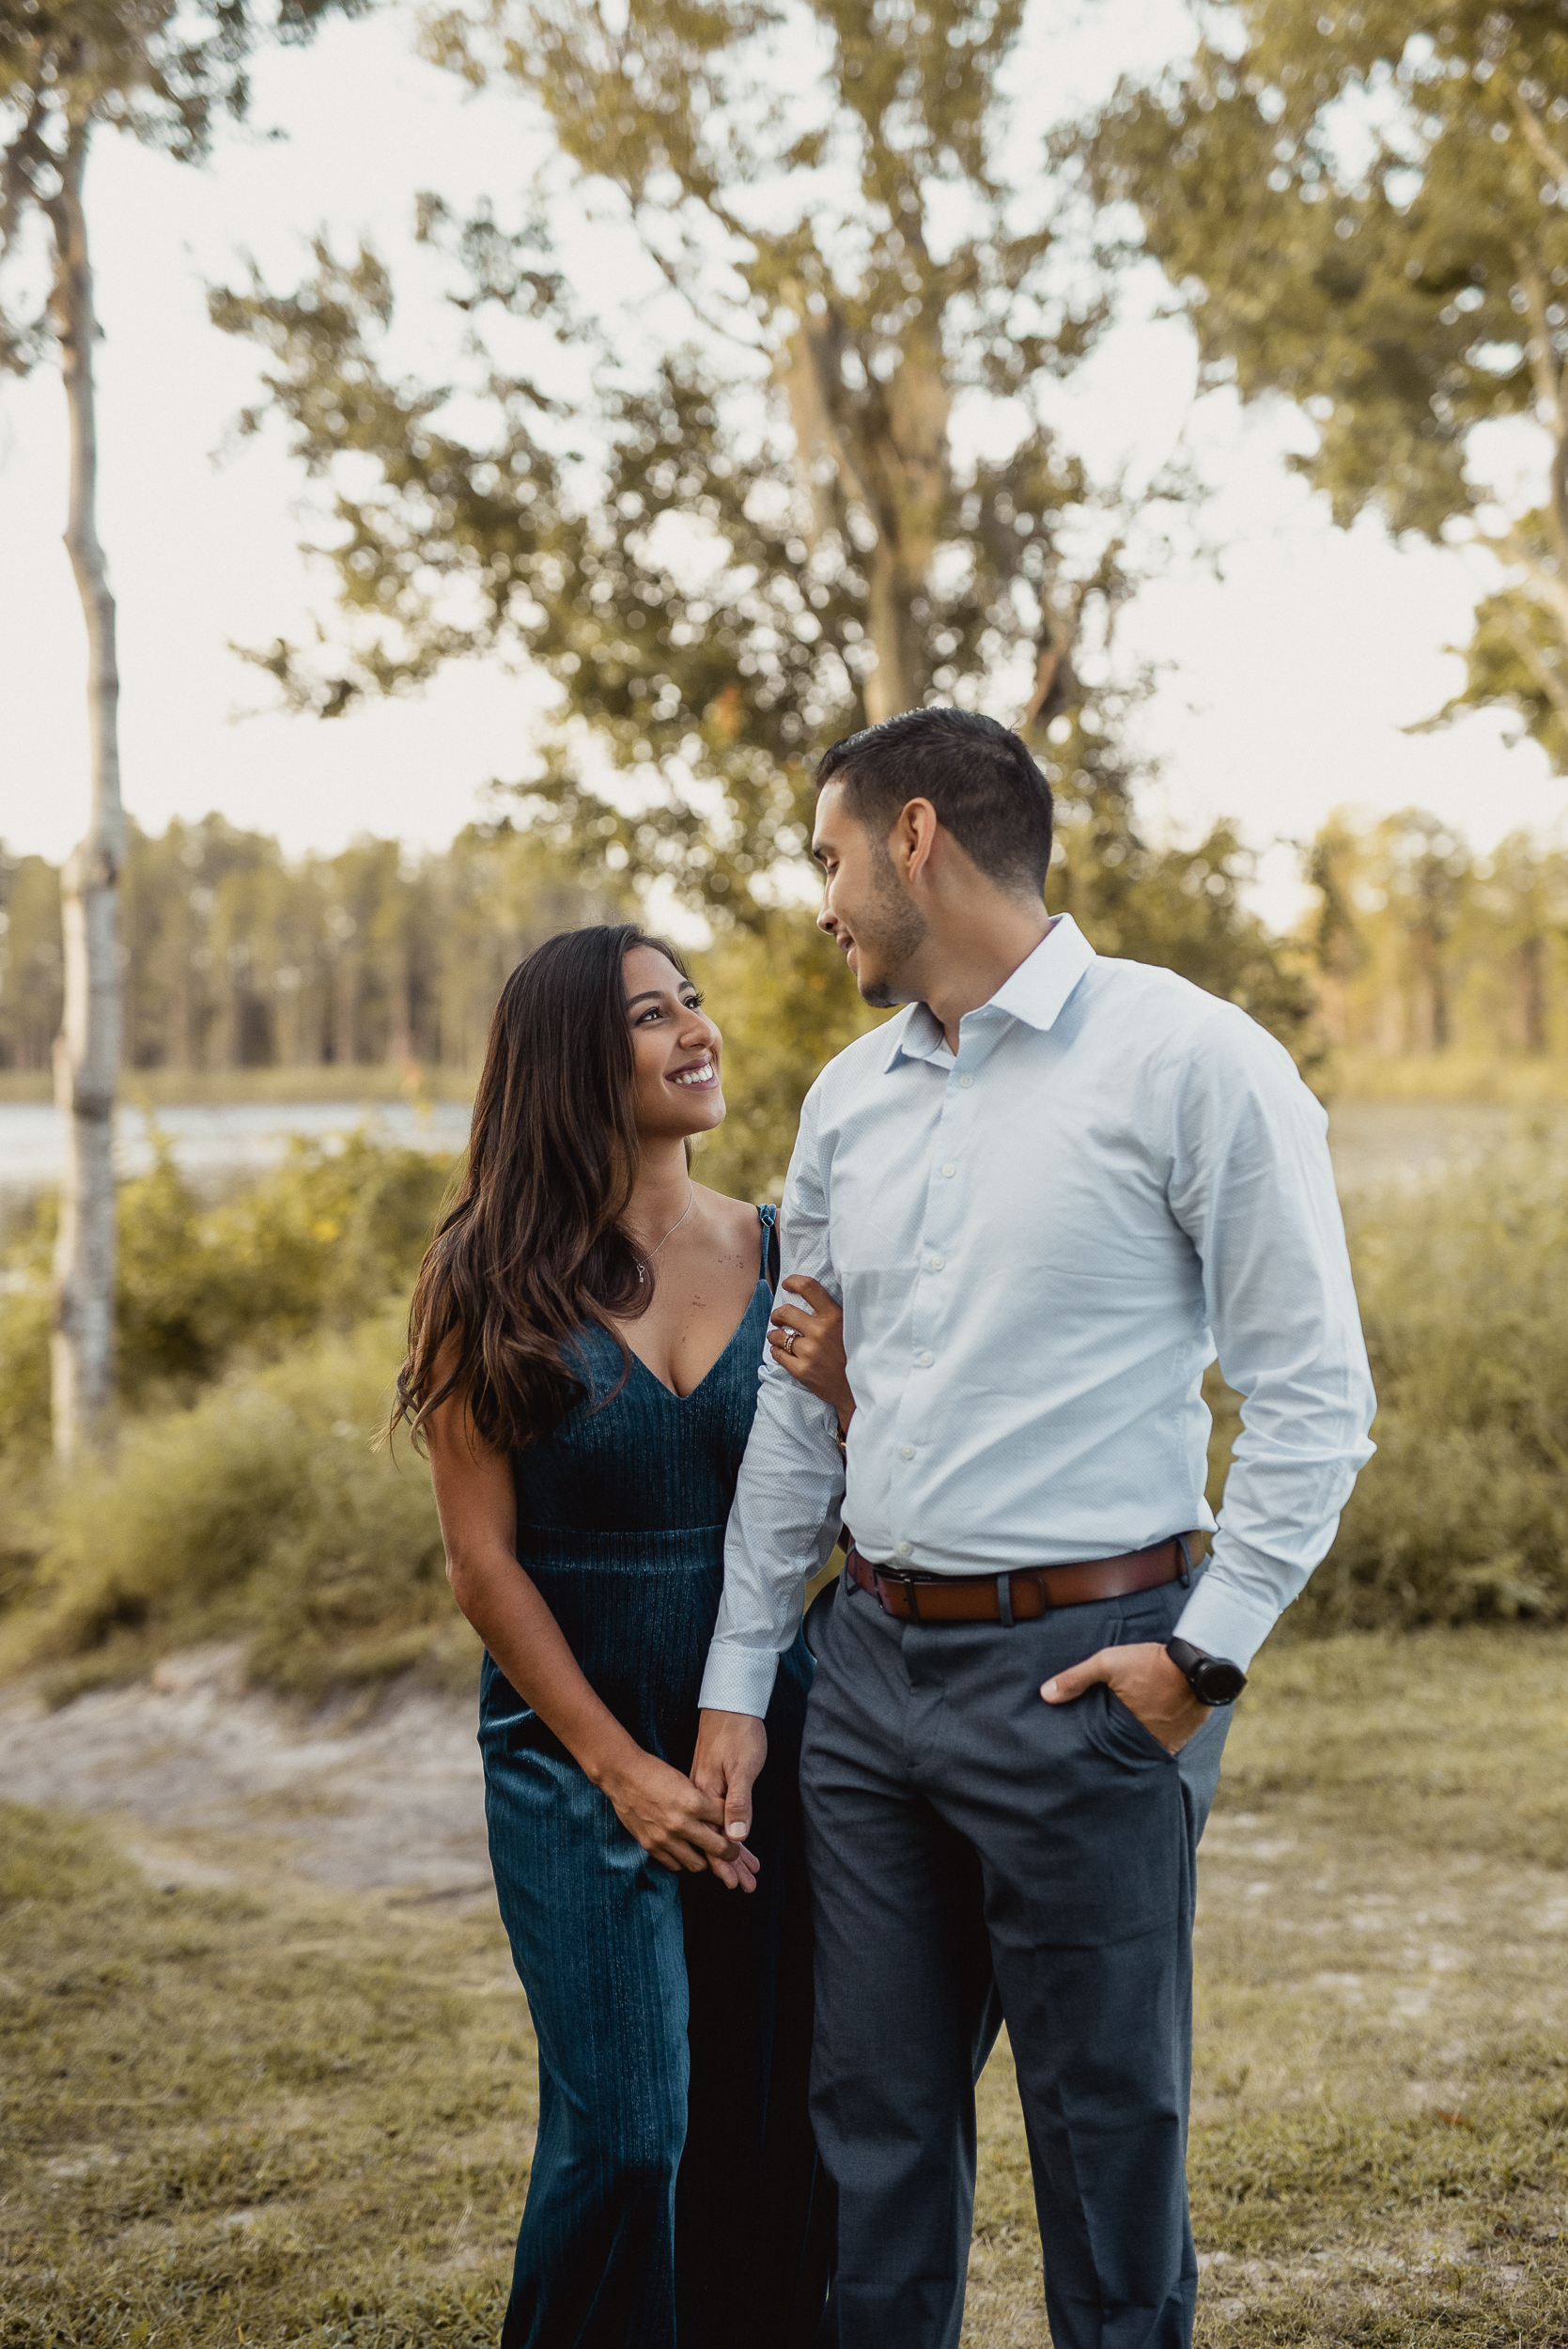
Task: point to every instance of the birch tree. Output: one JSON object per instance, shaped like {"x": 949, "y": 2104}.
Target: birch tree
{"x": 163, "y": 73}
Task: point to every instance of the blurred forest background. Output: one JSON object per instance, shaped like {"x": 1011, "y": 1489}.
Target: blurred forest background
{"x": 237, "y": 959}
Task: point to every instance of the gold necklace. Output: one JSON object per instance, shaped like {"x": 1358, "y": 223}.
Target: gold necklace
{"x": 691, "y": 1203}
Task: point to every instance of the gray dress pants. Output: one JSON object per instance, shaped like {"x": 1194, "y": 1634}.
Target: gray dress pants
{"x": 977, "y": 1856}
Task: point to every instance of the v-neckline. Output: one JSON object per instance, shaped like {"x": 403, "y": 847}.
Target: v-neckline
{"x": 713, "y": 1364}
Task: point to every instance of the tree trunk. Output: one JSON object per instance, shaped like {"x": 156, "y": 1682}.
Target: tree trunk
{"x": 887, "y": 445}
{"x": 904, "y": 456}
{"x": 345, "y": 1004}
{"x": 87, "y": 1051}
{"x": 1532, "y": 993}
{"x": 399, "y": 990}
{"x": 1442, "y": 1036}
{"x": 890, "y": 689}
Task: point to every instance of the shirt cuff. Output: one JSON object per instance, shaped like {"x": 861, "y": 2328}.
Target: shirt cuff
{"x": 1238, "y": 1602}
{"x": 738, "y": 1679}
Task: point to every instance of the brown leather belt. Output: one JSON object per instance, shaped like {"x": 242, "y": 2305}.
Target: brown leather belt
{"x": 1026, "y": 1593}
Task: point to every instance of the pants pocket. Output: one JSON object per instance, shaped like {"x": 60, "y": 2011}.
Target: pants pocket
{"x": 1126, "y": 1733}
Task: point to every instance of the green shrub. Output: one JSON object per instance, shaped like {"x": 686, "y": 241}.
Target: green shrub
{"x": 1462, "y": 1512}
{"x": 323, "y": 1239}
{"x": 262, "y": 1512}
{"x": 24, "y": 1342}
{"x": 259, "y": 1511}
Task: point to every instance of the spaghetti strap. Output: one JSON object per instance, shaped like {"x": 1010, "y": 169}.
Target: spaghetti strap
{"x": 768, "y": 1218}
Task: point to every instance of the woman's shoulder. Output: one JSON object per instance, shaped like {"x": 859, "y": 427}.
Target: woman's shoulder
{"x": 738, "y": 1229}
{"x": 740, "y": 1219}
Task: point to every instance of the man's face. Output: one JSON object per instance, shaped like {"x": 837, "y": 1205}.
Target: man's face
{"x": 867, "y": 909}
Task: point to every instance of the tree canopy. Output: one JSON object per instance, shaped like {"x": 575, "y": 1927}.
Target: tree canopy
{"x": 759, "y": 531}
{"x": 1369, "y": 214}
{"x": 164, "y": 71}
{"x": 771, "y": 539}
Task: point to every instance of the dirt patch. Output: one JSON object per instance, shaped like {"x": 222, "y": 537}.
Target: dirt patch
{"x": 239, "y": 1784}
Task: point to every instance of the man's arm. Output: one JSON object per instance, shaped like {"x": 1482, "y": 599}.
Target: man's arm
{"x": 784, "y": 1522}
{"x": 1253, "y": 1186}
{"x": 1253, "y": 1189}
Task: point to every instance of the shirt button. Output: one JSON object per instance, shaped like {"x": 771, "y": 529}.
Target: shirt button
{"x": 905, "y": 1451}
{"x": 906, "y": 1549}
{"x": 939, "y": 1264}
{"x": 966, "y": 1082}
{"x": 949, "y": 1170}
{"x": 925, "y": 1361}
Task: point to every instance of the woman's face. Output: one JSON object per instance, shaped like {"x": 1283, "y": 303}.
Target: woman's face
{"x": 676, "y": 1049}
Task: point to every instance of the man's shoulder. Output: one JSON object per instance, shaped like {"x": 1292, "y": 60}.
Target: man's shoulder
{"x": 1150, "y": 988}
{"x": 1178, "y": 1043}
{"x": 1174, "y": 1011}
{"x": 866, "y": 1057}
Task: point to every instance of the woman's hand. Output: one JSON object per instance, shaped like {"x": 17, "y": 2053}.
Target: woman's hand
{"x": 477, "y": 1497}
{"x": 815, "y": 1353}
{"x": 675, "y": 1823}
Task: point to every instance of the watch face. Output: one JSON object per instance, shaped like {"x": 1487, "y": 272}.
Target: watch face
{"x": 1217, "y": 1682}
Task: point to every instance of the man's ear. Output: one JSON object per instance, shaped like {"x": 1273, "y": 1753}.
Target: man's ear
{"x": 913, "y": 839}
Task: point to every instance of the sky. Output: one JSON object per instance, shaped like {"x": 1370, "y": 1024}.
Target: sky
{"x": 1286, "y": 673}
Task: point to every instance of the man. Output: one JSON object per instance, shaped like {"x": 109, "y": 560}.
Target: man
{"x": 1036, "y": 1194}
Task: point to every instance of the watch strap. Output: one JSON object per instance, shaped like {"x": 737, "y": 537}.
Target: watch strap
{"x": 1212, "y": 1679}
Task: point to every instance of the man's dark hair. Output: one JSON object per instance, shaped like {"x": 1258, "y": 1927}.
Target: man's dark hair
{"x": 977, "y": 775}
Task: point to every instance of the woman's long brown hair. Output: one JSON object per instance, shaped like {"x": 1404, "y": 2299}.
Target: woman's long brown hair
{"x": 532, "y": 1248}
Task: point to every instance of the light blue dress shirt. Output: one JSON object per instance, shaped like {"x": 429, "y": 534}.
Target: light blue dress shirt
{"x": 1039, "y": 1244}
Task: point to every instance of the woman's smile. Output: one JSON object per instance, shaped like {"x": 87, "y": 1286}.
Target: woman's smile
{"x": 699, "y": 1075}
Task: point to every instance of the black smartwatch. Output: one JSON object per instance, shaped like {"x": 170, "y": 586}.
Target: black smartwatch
{"x": 1211, "y": 1679}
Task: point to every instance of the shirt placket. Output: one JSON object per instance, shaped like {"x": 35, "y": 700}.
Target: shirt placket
{"x": 949, "y": 1182}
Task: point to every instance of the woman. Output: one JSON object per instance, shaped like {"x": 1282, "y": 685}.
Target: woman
{"x": 582, "y": 1362}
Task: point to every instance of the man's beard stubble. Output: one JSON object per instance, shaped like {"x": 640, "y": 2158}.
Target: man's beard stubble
{"x": 895, "y": 932}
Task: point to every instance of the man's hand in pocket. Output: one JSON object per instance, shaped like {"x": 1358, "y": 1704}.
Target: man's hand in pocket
{"x": 1147, "y": 1683}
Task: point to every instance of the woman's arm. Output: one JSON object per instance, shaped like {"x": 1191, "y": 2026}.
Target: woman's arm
{"x": 676, "y": 1825}
{"x": 817, "y": 1358}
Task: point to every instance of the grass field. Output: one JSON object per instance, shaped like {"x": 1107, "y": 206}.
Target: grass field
{"x": 248, "y": 2112}
{"x": 1521, "y": 1080}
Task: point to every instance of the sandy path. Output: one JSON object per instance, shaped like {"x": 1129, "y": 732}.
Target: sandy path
{"x": 207, "y": 1779}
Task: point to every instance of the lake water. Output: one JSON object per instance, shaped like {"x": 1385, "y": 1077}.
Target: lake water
{"x": 240, "y": 1138}
{"x": 1372, "y": 1142}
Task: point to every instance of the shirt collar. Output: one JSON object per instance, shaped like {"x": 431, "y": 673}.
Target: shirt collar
{"x": 1034, "y": 993}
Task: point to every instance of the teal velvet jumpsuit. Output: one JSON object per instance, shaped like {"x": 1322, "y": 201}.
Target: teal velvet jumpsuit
{"x": 674, "y": 2198}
